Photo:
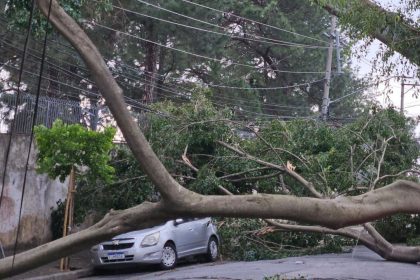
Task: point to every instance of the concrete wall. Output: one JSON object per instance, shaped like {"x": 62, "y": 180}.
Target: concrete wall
{"x": 41, "y": 194}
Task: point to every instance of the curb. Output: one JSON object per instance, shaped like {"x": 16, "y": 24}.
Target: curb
{"x": 75, "y": 274}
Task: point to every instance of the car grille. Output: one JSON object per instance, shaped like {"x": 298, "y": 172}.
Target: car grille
{"x": 126, "y": 259}
{"x": 120, "y": 246}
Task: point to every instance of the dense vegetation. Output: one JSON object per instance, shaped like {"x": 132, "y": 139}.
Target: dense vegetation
{"x": 338, "y": 160}
{"x": 256, "y": 69}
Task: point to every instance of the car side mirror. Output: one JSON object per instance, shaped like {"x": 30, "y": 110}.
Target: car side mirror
{"x": 178, "y": 221}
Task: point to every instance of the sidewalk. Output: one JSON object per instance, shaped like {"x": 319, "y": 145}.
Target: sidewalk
{"x": 79, "y": 267}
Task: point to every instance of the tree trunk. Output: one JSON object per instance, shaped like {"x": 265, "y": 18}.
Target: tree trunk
{"x": 150, "y": 65}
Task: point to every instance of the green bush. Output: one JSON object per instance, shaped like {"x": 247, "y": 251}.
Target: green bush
{"x": 400, "y": 228}
{"x": 242, "y": 240}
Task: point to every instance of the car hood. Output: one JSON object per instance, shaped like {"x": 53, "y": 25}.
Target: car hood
{"x": 139, "y": 233}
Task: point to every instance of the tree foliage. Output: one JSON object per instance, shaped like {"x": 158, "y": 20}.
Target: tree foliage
{"x": 17, "y": 11}
{"x": 338, "y": 160}
{"x": 63, "y": 147}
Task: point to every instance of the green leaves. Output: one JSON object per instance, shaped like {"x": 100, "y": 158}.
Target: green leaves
{"x": 17, "y": 12}
{"x": 66, "y": 146}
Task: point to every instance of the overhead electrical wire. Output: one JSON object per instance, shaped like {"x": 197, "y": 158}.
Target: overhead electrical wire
{"x": 220, "y": 27}
{"x": 177, "y": 95}
{"x": 85, "y": 92}
{"x": 136, "y": 104}
{"x": 253, "y": 38}
{"x": 267, "y": 88}
{"x": 221, "y": 61}
{"x": 250, "y": 102}
{"x": 209, "y": 85}
{"x": 234, "y": 87}
{"x": 264, "y": 104}
{"x": 259, "y": 88}
{"x": 9, "y": 143}
{"x": 254, "y": 21}
{"x": 32, "y": 132}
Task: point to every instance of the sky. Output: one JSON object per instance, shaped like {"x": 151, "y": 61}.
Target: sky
{"x": 364, "y": 66}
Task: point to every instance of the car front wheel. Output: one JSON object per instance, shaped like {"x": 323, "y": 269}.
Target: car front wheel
{"x": 212, "y": 249}
{"x": 169, "y": 256}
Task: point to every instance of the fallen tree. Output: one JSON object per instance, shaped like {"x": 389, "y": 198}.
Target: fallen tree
{"x": 398, "y": 197}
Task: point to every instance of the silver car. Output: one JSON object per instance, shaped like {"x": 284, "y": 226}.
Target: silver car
{"x": 163, "y": 244}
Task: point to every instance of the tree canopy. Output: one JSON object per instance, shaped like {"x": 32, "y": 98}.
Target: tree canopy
{"x": 63, "y": 147}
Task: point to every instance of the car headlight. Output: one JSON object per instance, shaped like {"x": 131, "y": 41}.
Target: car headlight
{"x": 150, "y": 240}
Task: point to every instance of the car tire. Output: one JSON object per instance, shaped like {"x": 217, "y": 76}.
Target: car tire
{"x": 212, "y": 249}
{"x": 169, "y": 256}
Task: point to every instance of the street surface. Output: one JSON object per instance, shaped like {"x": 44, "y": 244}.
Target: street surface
{"x": 361, "y": 264}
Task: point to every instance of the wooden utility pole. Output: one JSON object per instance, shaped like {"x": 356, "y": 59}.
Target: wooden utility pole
{"x": 327, "y": 81}
{"x": 68, "y": 216}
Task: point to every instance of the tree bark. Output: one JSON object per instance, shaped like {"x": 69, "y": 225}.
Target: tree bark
{"x": 399, "y": 197}
{"x": 150, "y": 65}
{"x": 371, "y": 238}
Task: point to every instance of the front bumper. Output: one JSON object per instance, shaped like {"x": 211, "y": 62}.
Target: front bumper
{"x": 134, "y": 255}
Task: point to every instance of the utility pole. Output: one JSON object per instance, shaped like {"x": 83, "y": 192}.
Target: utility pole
{"x": 403, "y": 90}
{"x": 402, "y": 96}
{"x": 338, "y": 46}
{"x": 327, "y": 81}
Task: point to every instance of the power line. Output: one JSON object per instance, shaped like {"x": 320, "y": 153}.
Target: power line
{"x": 235, "y": 99}
{"x": 231, "y": 87}
{"x": 253, "y": 21}
{"x": 256, "y": 38}
{"x": 227, "y": 101}
{"x": 140, "y": 72}
{"x": 32, "y": 131}
{"x": 220, "y": 97}
{"x": 9, "y": 144}
{"x": 266, "y": 88}
{"x": 210, "y": 85}
{"x": 203, "y": 56}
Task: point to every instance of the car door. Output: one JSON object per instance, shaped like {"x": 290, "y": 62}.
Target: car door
{"x": 185, "y": 237}
{"x": 201, "y": 229}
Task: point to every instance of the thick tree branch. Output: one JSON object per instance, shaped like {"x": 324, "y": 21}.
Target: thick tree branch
{"x": 371, "y": 239}
{"x": 142, "y": 216}
{"x": 291, "y": 173}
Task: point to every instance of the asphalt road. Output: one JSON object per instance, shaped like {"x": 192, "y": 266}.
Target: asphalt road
{"x": 361, "y": 264}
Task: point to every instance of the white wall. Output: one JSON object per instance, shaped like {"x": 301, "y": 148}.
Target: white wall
{"x": 41, "y": 194}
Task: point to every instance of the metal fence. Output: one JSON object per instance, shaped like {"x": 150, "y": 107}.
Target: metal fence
{"x": 49, "y": 109}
